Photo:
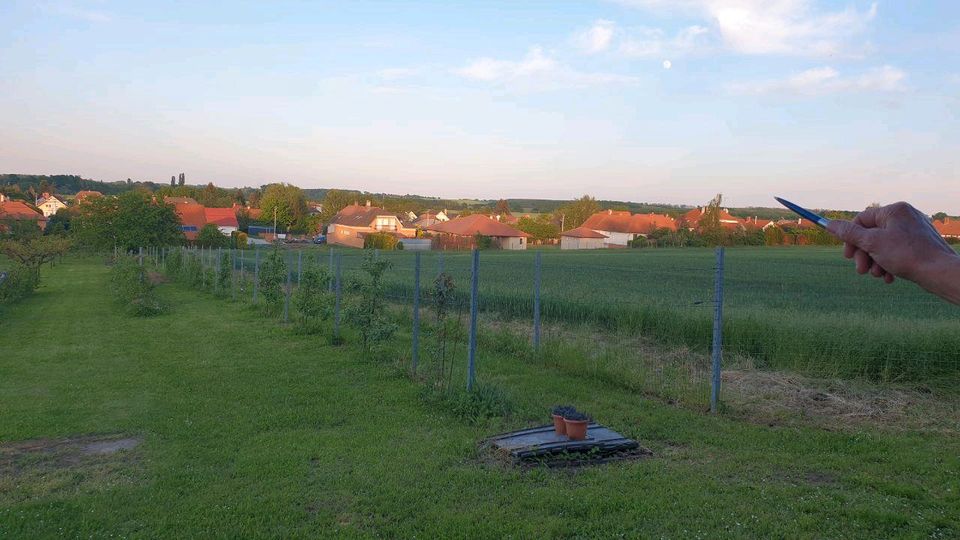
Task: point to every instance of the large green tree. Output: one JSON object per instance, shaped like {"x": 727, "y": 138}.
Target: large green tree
{"x": 288, "y": 203}
{"x": 539, "y": 228}
{"x": 574, "y": 213}
{"x": 129, "y": 221}
{"x": 334, "y": 201}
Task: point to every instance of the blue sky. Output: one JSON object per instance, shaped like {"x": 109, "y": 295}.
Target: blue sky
{"x": 835, "y": 104}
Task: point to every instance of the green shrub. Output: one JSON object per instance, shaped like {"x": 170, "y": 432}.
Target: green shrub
{"x": 380, "y": 240}
{"x": 224, "y": 275}
{"x": 132, "y": 288}
{"x": 313, "y": 300}
{"x": 20, "y": 282}
{"x": 174, "y": 262}
{"x": 483, "y": 402}
{"x": 367, "y": 312}
{"x": 273, "y": 275}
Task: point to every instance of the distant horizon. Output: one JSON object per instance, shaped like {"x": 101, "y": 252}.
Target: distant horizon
{"x": 726, "y": 203}
{"x": 831, "y": 103}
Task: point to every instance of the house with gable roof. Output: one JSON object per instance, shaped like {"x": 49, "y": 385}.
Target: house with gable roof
{"x": 351, "y": 225}
{"x": 50, "y": 204}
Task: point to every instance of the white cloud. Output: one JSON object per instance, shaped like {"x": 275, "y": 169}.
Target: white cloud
{"x": 393, "y": 74}
{"x": 785, "y": 27}
{"x": 597, "y": 38}
{"x": 826, "y": 80}
{"x": 646, "y": 42}
{"x": 69, "y": 9}
{"x": 537, "y": 71}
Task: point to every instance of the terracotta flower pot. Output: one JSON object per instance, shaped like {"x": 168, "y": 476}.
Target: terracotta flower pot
{"x": 576, "y": 429}
{"x": 559, "y": 426}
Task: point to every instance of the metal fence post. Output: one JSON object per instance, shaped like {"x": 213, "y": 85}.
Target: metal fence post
{"x": 233, "y": 275}
{"x": 336, "y": 305}
{"x": 216, "y": 272}
{"x": 440, "y": 268}
{"x": 536, "y": 301}
{"x": 299, "y": 266}
{"x": 141, "y": 256}
{"x": 474, "y": 300}
{"x": 416, "y": 311}
{"x": 256, "y": 274}
{"x": 717, "y": 348}
{"x": 286, "y": 298}
{"x": 330, "y": 283}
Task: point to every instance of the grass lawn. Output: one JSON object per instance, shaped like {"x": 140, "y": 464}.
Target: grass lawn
{"x": 249, "y": 429}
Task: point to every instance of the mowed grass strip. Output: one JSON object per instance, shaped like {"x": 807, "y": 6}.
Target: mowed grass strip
{"x": 249, "y": 429}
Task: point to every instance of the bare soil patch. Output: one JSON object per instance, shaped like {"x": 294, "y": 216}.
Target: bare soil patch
{"x": 41, "y": 467}
{"x": 157, "y": 278}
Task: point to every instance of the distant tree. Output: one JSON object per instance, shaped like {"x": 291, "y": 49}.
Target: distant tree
{"x": 940, "y": 216}
{"x": 209, "y": 195}
{"x": 573, "y": 214}
{"x": 59, "y": 223}
{"x": 182, "y": 180}
{"x": 289, "y": 203}
{"x": 709, "y": 224}
{"x": 502, "y": 208}
{"x": 129, "y": 181}
{"x": 45, "y": 187}
{"x": 253, "y": 200}
{"x": 334, "y": 201}
{"x": 173, "y": 181}
{"x": 239, "y": 198}
{"x": 35, "y": 252}
{"x": 210, "y": 236}
{"x": 540, "y": 228}
{"x": 129, "y": 221}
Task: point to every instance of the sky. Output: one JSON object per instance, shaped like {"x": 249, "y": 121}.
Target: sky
{"x": 832, "y": 104}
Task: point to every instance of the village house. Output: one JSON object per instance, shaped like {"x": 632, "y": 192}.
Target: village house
{"x": 50, "y": 204}
{"x": 727, "y": 221}
{"x": 179, "y": 200}
{"x": 582, "y": 238}
{"x": 194, "y": 216}
{"x": 19, "y": 211}
{"x": 224, "y": 218}
{"x": 755, "y": 222}
{"x": 428, "y": 218}
{"x": 621, "y": 227}
{"x": 86, "y": 195}
{"x": 351, "y": 225}
{"x": 461, "y": 233}
{"x": 948, "y": 228}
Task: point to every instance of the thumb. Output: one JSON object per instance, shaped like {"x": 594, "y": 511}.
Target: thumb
{"x": 850, "y": 232}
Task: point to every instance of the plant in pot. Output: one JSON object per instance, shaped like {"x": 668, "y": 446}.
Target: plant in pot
{"x": 558, "y": 413}
{"x": 576, "y": 424}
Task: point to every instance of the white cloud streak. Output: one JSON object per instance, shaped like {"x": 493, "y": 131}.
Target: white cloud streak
{"x": 597, "y": 38}
{"x": 775, "y": 27}
{"x": 537, "y": 71}
{"x": 824, "y": 81}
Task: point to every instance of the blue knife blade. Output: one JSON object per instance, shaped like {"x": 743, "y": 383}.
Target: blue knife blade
{"x": 804, "y": 213}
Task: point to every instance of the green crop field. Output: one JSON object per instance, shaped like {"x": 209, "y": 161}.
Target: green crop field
{"x": 800, "y": 308}
{"x": 240, "y": 427}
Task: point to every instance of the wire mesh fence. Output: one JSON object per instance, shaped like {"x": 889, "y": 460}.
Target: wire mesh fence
{"x": 639, "y": 318}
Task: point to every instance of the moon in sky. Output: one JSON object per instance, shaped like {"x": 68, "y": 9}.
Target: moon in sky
{"x": 667, "y": 64}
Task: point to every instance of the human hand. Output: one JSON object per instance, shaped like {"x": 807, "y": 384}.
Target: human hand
{"x": 898, "y": 240}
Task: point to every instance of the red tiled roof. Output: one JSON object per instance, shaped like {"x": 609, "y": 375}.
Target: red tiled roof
{"x": 476, "y": 223}
{"x": 86, "y": 194}
{"x": 726, "y": 219}
{"x": 757, "y": 222}
{"x": 624, "y": 222}
{"x": 179, "y": 200}
{"x": 18, "y": 210}
{"x": 583, "y": 232}
{"x": 221, "y": 217}
{"x": 948, "y": 227}
{"x": 191, "y": 215}
{"x": 358, "y": 215}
